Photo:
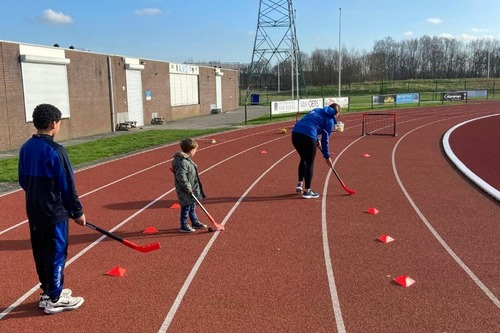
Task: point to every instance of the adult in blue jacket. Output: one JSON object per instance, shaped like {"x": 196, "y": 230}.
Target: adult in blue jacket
{"x": 46, "y": 175}
{"x": 305, "y": 138}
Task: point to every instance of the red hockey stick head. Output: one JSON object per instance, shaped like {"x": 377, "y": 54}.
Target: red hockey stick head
{"x": 144, "y": 248}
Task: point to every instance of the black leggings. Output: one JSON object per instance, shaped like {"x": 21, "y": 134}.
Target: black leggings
{"x": 306, "y": 147}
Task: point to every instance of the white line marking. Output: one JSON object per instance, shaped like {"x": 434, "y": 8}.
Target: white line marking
{"x": 137, "y": 172}
{"x": 182, "y": 292}
{"x": 462, "y": 167}
{"x": 431, "y": 228}
{"x": 79, "y": 254}
{"x": 337, "y": 312}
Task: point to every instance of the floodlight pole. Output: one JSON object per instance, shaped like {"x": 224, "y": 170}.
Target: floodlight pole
{"x": 340, "y": 50}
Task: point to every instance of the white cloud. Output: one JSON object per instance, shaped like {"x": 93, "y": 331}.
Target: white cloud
{"x": 434, "y": 20}
{"x": 446, "y": 35}
{"x": 53, "y": 17}
{"x": 479, "y": 30}
{"x": 462, "y": 37}
{"x": 148, "y": 11}
{"x": 467, "y": 37}
{"x": 408, "y": 33}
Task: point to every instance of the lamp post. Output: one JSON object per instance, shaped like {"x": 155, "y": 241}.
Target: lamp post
{"x": 340, "y": 50}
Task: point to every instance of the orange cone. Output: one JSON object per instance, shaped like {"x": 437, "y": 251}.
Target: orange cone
{"x": 116, "y": 271}
{"x": 175, "y": 205}
{"x": 365, "y": 155}
{"x": 404, "y": 280}
{"x": 385, "y": 239}
{"x": 150, "y": 230}
{"x": 372, "y": 211}
{"x": 263, "y": 152}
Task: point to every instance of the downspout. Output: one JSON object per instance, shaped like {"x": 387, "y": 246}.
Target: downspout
{"x": 111, "y": 95}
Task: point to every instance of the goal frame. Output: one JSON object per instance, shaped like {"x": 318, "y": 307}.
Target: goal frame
{"x": 390, "y": 129}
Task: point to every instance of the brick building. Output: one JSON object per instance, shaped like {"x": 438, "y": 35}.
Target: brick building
{"x": 97, "y": 92}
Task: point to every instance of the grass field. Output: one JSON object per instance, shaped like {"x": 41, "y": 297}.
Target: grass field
{"x": 85, "y": 153}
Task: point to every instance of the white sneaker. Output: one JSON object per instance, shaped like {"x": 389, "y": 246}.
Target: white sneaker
{"x": 298, "y": 189}
{"x": 44, "y": 298}
{"x": 65, "y": 303}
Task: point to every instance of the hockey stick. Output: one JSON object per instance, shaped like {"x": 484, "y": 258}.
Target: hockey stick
{"x": 143, "y": 249}
{"x": 217, "y": 225}
{"x": 348, "y": 190}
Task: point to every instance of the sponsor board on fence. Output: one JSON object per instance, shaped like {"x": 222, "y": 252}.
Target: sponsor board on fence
{"x": 342, "y": 101}
{"x": 477, "y": 93}
{"x": 455, "y": 96}
{"x": 306, "y": 105}
{"x": 383, "y": 99}
{"x": 284, "y": 107}
{"x": 309, "y": 104}
{"x": 407, "y": 98}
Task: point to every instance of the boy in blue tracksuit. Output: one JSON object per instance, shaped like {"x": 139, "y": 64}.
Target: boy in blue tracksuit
{"x": 305, "y": 133}
{"x": 46, "y": 175}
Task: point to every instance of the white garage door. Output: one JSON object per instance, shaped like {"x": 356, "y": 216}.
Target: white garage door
{"x": 134, "y": 96}
{"x": 45, "y": 83}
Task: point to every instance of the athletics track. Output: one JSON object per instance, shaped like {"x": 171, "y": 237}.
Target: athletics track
{"x": 284, "y": 264}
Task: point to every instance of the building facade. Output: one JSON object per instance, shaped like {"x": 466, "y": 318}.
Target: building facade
{"x": 97, "y": 92}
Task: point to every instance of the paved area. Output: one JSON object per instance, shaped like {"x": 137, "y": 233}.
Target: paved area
{"x": 236, "y": 118}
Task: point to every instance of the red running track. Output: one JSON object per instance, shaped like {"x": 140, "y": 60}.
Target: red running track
{"x": 284, "y": 264}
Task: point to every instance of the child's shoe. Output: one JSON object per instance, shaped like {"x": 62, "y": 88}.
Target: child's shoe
{"x": 199, "y": 225}
{"x": 186, "y": 228}
{"x": 64, "y": 303}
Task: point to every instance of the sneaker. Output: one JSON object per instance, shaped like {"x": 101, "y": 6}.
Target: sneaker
{"x": 199, "y": 225}
{"x": 310, "y": 194}
{"x": 186, "y": 228}
{"x": 298, "y": 189}
{"x": 44, "y": 298}
{"x": 64, "y": 303}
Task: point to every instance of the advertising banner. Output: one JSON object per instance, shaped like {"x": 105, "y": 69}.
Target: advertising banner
{"x": 407, "y": 98}
{"x": 284, "y": 107}
{"x": 342, "y": 101}
{"x": 383, "y": 99}
{"x": 306, "y": 105}
{"x": 455, "y": 96}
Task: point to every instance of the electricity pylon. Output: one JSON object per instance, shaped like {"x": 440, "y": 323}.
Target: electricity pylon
{"x": 276, "y": 39}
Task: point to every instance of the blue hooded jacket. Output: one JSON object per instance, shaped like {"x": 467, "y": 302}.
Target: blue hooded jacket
{"x": 319, "y": 121}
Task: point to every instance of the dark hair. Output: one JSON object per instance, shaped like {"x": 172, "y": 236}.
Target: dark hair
{"x": 188, "y": 144}
{"x": 334, "y": 106}
{"x": 44, "y": 114}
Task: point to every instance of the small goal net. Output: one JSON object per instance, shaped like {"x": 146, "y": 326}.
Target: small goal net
{"x": 379, "y": 124}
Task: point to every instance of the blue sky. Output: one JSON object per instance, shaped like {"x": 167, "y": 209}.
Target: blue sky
{"x": 224, "y": 30}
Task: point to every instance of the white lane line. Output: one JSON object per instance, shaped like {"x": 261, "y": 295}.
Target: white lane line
{"x": 79, "y": 254}
{"x": 337, "y": 312}
{"x": 441, "y": 241}
{"x": 135, "y": 173}
{"x": 462, "y": 167}
{"x": 182, "y": 292}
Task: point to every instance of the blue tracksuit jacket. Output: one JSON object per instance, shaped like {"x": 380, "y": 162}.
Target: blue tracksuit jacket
{"x": 46, "y": 175}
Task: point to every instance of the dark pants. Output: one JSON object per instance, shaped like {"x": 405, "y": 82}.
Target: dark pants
{"x": 50, "y": 250}
{"x": 306, "y": 147}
